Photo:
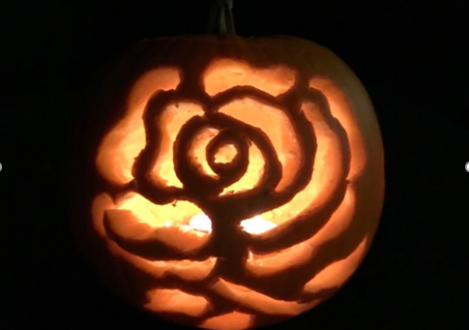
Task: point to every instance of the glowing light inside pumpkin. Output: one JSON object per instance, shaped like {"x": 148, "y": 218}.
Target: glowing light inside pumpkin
{"x": 184, "y": 227}
{"x": 225, "y": 154}
{"x": 201, "y": 222}
{"x": 279, "y": 131}
{"x": 198, "y": 149}
{"x": 255, "y": 225}
{"x": 157, "y": 215}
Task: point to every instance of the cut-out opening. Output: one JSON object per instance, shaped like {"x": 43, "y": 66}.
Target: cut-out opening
{"x": 201, "y": 222}
{"x": 255, "y": 225}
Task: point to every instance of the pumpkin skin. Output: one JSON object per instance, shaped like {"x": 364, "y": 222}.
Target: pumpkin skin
{"x": 230, "y": 183}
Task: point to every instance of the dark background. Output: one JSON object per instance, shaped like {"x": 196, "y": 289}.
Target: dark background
{"x": 412, "y": 57}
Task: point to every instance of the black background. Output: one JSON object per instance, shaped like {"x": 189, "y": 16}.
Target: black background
{"x": 412, "y": 57}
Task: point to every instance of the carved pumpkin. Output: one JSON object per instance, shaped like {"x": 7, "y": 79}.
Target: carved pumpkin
{"x": 233, "y": 182}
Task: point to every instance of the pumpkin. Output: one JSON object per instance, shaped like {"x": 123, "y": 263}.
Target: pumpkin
{"x": 231, "y": 183}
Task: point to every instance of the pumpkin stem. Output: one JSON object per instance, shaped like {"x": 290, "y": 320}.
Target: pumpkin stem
{"x": 221, "y": 18}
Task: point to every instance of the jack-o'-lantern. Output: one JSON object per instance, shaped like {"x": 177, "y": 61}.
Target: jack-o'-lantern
{"x": 232, "y": 182}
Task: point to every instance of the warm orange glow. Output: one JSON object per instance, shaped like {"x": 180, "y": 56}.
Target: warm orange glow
{"x": 224, "y": 74}
{"x": 284, "y": 150}
{"x": 158, "y": 215}
{"x": 182, "y": 238}
{"x": 225, "y": 154}
{"x": 351, "y": 119}
{"x": 303, "y": 253}
{"x": 229, "y": 321}
{"x": 279, "y": 130}
{"x": 201, "y": 222}
{"x": 124, "y": 142}
{"x": 198, "y": 150}
{"x": 327, "y": 170}
{"x": 189, "y": 270}
{"x": 172, "y": 119}
{"x": 252, "y": 175}
{"x": 259, "y": 302}
{"x": 257, "y": 225}
{"x": 176, "y": 301}
{"x": 337, "y": 272}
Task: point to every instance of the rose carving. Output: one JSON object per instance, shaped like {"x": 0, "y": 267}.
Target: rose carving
{"x": 227, "y": 187}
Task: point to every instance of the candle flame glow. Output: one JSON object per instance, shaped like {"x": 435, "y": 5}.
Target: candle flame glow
{"x": 255, "y": 225}
{"x": 201, "y": 222}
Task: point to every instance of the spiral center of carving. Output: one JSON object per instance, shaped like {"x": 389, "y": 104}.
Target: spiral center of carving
{"x": 225, "y": 154}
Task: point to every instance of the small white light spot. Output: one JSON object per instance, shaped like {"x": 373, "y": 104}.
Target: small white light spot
{"x": 257, "y": 225}
{"x": 201, "y": 222}
{"x": 467, "y": 167}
